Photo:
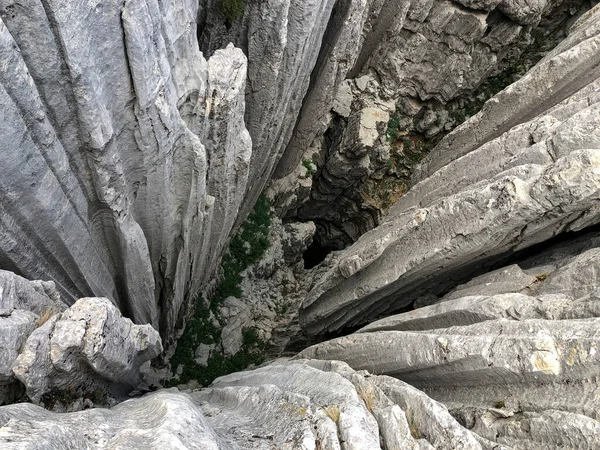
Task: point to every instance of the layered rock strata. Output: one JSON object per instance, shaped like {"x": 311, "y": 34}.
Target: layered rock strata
{"x": 512, "y": 353}
{"x": 513, "y": 190}
{"x": 299, "y": 405}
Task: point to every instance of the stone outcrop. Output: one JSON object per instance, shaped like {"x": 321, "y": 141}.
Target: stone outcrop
{"x": 117, "y": 118}
{"x": 90, "y": 346}
{"x": 47, "y": 347}
{"x": 298, "y": 405}
{"x": 312, "y": 404}
{"x": 418, "y": 70}
{"x": 23, "y": 306}
{"x": 130, "y": 159}
{"x": 152, "y": 422}
{"x": 511, "y": 354}
{"x": 493, "y": 196}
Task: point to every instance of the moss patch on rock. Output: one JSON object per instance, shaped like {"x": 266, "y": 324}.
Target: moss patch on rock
{"x": 246, "y": 247}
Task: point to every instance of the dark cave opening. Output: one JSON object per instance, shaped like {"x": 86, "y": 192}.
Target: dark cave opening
{"x": 315, "y": 254}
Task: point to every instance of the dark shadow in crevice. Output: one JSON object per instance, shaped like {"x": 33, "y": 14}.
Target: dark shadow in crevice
{"x": 315, "y": 254}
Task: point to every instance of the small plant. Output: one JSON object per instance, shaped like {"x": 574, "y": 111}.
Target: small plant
{"x": 232, "y": 10}
{"x": 333, "y": 411}
{"x": 247, "y": 247}
{"x": 499, "y": 404}
{"x": 310, "y": 170}
{"x": 392, "y": 128}
{"x": 415, "y": 431}
{"x": 99, "y": 397}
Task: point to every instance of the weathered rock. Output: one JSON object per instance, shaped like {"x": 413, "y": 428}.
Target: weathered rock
{"x": 87, "y": 347}
{"x": 531, "y": 183}
{"x": 118, "y": 116}
{"x": 24, "y": 305}
{"x": 425, "y": 62}
{"x": 513, "y": 368}
{"x": 302, "y": 404}
{"x": 491, "y": 352}
{"x": 284, "y": 39}
{"x": 502, "y": 281}
{"x": 166, "y": 419}
{"x": 572, "y": 66}
{"x": 343, "y": 408}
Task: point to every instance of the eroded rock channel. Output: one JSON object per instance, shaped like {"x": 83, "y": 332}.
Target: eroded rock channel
{"x": 337, "y": 224}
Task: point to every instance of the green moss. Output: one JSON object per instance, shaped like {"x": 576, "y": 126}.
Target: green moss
{"x": 310, "y": 170}
{"x": 392, "y": 128}
{"x": 232, "y": 10}
{"x": 247, "y": 247}
{"x": 69, "y": 395}
{"x": 252, "y": 352}
{"x": 487, "y": 90}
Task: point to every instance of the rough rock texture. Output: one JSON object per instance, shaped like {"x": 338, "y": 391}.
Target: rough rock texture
{"x": 117, "y": 118}
{"x": 272, "y": 291}
{"x": 299, "y": 405}
{"x": 87, "y": 347}
{"x": 158, "y": 421}
{"x": 537, "y": 180}
{"x": 512, "y": 354}
{"x": 381, "y": 98}
{"x": 23, "y": 305}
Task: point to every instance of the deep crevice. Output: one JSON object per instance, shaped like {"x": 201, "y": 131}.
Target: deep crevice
{"x": 315, "y": 254}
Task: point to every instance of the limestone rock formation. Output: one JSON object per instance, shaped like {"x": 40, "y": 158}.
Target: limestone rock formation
{"x": 298, "y": 405}
{"x": 152, "y": 422}
{"x": 130, "y": 160}
{"x": 512, "y": 355}
{"x": 23, "y": 306}
{"x": 418, "y": 69}
{"x": 495, "y": 193}
{"x": 117, "y": 118}
{"x": 90, "y": 346}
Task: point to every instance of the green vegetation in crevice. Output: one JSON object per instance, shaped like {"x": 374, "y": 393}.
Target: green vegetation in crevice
{"x": 466, "y": 108}
{"x": 246, "y": 247}
{"x": 232, "y": 10}
{"x": 310, "y": 170}
{"x": 68, "y": 396}
{"x": 393, "y": 128}
{"x": 406, "y": 151}
{"x": 200, "y": 329}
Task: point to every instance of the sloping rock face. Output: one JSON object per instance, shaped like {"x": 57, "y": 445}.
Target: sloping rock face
{"x": 496, "y": 193}
{"x": 152, "y": 422}
{"x": 111, "y": 119}
{"x": 415, "y": 73}
{"x": 511, "y": 355}
{"x": 47, "y": 347}
{"x": 298, "y": 405}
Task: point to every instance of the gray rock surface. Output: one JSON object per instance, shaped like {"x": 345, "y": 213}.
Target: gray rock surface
{"x": 513, "y": 359}
{"x": 521, "y": 188}
{"x": 118, "y": 117}
{"x": 24, "y": 306}
{"x": 300, "y": 405}
{"x": 430, "y": 65}
{"x": 161, "y": 420}
{"x": 90, "y": 346}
